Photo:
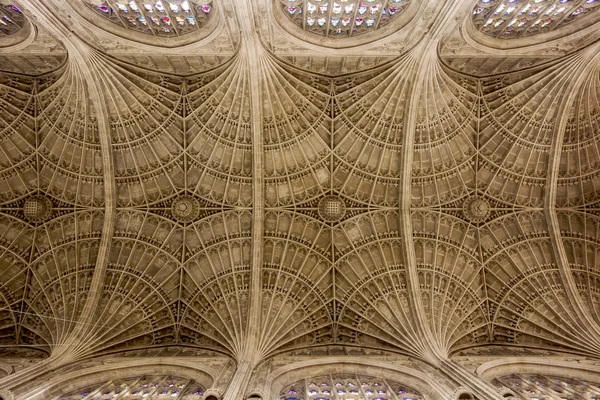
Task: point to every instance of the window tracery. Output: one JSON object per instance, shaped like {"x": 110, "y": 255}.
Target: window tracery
{"x": 11, "y": 19}
{"x": 145, "y": 387}
{"x": 342, "y": 18}
{"x": 508, "y": 19}
{"x": 342, "y": 387}
{"x": 538, "y": 387}
{"x": 156, "y": 17}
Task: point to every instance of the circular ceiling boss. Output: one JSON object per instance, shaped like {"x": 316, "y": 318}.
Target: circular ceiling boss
{"x": 185, "y": 208}
{"x": 476, "y": 209}
{"x": 37, "y": 208}
{"x": 332, "y": 208}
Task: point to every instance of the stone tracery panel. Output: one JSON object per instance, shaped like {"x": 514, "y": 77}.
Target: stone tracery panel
{"x": 15, "y": 246}
{"x": 580, "y": 233}
{"x": 68, "y": 141}
{"x": 451, "y": 279}
{"x": 517, "y": 126}
{"x": 214, "y": 282}
{"x": 371, "y": 289}
{"x": 296, "y": 138}
{"x": 146, "y": 126}
{"x": 579, "y": 176}
{"x": 141, "y": 283}
{"x": 445, "y": 138}
{"x": 60, "y": 272}
{"x": 17, "y": 137}
{"x": 368, "y": 133}
{"x": 297, "y": 282}
{"x": 348, "y": 387}
{"x": 215, "y": 315}
{"x": 528, "y": 302}
{"x": 133, "y": 313}
{"x": 219, "y": 136}
{"x": 513, "y": 244}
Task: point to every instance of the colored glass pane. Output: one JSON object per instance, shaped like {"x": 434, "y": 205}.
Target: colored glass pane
{"x": 507, "y": 19}
{"x": 342, "y": 18}
{"x": 11, "y": 20}
{"x": 532, "y": 386}
{"x": 161, "y": 17}
{"x": 144, "y": 387}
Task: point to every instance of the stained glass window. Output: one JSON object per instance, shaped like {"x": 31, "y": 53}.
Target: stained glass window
{"x": 507, "y": 19}
{"x": 160, "y": 18}
{"x": 342, "y": 18}
{"x": 11, "y": 19}
{"x": 145, "y": 387}
{"x": 350, "y": 387}
{"x": 531, "y": 386}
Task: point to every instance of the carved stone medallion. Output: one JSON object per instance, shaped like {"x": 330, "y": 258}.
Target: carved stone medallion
{"x": 185, "y": 208}
{"x": 37, "y": 208}
{"x": 476, "y": 209}
{"x": 332, "y": 208}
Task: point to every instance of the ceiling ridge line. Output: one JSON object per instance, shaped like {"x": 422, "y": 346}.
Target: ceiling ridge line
{"x": 423, "y": 55}
{"x": 248, "y": 357}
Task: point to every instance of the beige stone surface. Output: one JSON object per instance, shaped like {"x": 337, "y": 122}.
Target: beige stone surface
{"x": 254, "y": 205}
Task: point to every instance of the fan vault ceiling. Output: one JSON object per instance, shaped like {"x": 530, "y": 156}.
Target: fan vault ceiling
{"x": 251, "y": 193}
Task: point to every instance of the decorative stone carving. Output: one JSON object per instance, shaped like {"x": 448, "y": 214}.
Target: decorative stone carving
{"x": 37, "y": 208}
{"x": 185, "y": 208}
{"x": 6, "y": 394}
{"x": 476, "y": 209}
{"x": 332, "y": 208}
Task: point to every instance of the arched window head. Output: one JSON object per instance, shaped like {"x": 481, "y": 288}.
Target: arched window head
{"x": 144, "y": 387}
{"x": 168, "y": 18}
{"x": 348, "y": 387}
{"x": 540, "y": 386}
{"x": 11, "y": 19}
{"x": 510, "y": 19}
{"x": 342, "y": 18}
